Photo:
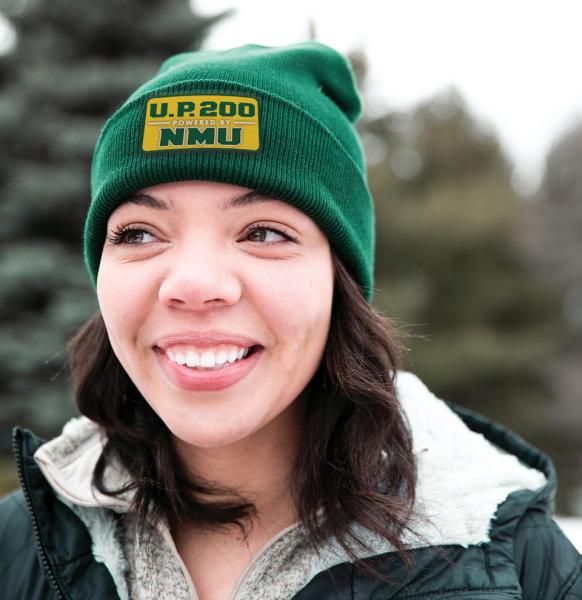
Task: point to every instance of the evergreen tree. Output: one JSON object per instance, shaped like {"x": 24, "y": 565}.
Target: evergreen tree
{"x": 73, "y": 64}
{"x": 450, "y": 265}
{"x": 449, "y": 261}
{"x": 555, "y": 244}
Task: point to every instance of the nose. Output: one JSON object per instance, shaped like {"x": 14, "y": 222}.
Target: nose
{"x": 199, "y": 276}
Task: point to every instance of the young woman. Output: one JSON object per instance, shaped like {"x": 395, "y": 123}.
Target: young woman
{"x": 246, "y": 432}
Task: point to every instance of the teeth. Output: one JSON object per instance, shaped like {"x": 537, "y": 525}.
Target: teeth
{"x": 207, "y": 360}
{"x": 192, "y": 359}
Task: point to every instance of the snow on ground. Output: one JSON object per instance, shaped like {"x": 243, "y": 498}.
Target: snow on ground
{"x": 572, "y": 527}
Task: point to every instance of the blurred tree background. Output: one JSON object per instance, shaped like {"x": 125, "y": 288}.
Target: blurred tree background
{"x": 486, "y": 282}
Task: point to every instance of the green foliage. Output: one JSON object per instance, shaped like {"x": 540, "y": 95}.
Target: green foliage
{"x": 73, "y": 64}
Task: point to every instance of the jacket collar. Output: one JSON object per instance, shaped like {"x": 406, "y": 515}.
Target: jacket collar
{"x": 68, "y": 462}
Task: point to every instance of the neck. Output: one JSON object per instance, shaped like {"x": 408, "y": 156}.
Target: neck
{"x": 258, "y": 467}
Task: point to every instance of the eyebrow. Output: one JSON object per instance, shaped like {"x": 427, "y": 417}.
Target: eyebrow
{"x": 246, "y": 199}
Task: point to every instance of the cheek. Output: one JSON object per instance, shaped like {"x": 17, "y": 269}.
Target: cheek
{"x": 122, "y": 286}
{"x": 297, "y": 306}
{"x": 122, "y": 304}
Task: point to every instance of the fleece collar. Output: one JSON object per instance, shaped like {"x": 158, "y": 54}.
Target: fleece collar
{"x": 462, "y": 479}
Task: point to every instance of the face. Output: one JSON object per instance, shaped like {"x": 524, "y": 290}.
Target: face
{"x": 184, "y": 264}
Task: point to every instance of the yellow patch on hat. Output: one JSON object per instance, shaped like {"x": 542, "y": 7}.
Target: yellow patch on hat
{"x": 179, "y": 122}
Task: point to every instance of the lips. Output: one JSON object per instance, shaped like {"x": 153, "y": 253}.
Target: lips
{"x": 207, "y": 379}
{"x": 206, "y": 339}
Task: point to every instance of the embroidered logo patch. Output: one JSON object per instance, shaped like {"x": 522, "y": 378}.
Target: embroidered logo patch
{"x": 176, "y": 122}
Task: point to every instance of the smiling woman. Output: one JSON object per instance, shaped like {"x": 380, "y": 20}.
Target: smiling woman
{"x": 246, "y": 431}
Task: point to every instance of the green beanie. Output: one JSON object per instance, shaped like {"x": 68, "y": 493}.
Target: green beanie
{"x": 279, "y": 120}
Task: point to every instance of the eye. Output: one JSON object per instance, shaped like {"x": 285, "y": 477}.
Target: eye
{"x": 258, "y": 228}
{"x": 124, "y": 233}
{"x": 131, "y": 234}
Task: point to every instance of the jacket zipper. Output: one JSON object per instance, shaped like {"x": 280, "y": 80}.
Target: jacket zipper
{"x": 35, "y": 526}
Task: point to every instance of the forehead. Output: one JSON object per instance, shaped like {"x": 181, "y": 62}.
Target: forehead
{"x": 249, "y": 198}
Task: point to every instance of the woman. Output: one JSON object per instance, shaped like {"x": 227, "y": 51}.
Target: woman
{"x": 246, "y": 431}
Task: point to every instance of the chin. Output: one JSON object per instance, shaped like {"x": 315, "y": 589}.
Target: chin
{"x": 199, "y": 437}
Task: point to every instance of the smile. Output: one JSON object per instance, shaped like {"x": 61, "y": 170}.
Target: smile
{"x": 215, "y": 378}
